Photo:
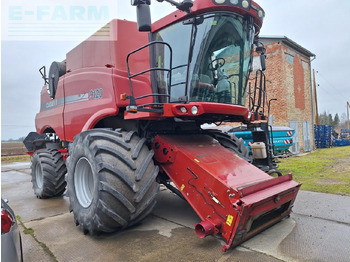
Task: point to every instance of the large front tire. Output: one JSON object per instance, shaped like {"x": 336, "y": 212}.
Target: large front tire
{"x": 48, "y": 173}
{"x": 111, "y": 180}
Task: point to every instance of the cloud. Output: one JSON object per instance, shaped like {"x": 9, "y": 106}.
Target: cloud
{"x": 320, "y": 27}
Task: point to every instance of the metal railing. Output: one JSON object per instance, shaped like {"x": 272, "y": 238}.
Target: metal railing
{"x": 154, "y": 106}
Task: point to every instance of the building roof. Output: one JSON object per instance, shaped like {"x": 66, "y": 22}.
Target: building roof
{"x": 288, "y": 42}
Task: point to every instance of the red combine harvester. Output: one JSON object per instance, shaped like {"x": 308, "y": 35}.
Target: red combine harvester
{"x": 123, "y": 114}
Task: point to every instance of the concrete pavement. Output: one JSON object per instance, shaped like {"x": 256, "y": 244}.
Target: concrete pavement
{"x": 318, "y": 230}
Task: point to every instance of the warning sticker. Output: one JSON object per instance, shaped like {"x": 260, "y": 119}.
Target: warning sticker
{"x": 229, "y": 220}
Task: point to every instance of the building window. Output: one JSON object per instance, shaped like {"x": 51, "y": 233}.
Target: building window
{"x": 290, "y": 58}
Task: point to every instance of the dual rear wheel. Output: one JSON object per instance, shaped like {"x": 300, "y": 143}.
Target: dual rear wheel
{"x": 48, "y": 173}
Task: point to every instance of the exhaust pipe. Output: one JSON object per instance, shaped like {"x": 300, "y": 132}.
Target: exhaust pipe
{"x": 205, "y": 228}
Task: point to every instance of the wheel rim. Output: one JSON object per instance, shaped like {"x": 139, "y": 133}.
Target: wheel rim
{"x": 84, "y": 182}
{"x": 39, "y": 176}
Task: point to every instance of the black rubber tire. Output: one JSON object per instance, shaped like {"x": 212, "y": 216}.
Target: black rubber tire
{"x": 57, "y": 69}
{"x": 231, "y": 142}
{"x": 52, "y": 170}
{"x": 124, "y": 180}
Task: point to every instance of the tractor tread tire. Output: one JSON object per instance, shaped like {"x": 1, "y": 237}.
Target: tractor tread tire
{"x": 231, "y": 142}
{"x": 124, "y": 174}
{"x": 53, "y": 170}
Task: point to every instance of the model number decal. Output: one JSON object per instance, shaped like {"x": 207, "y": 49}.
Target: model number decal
{"x": 51, "y": 104}
{"x": 96, "y": 94}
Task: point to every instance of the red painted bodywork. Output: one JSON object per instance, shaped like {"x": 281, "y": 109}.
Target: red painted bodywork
{"x": 100, "y": 63}
{"x": 203, "y": 6}
{"x": 221, "y": 187}
{"x": 228, "y": 193}
{"x": 173, "y": 110}
{"x": 97, "y": 63}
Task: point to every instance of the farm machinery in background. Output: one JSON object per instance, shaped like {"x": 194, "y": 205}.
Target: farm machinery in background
{"x": 122, "y": 114}
{"x": 281, "y": 138}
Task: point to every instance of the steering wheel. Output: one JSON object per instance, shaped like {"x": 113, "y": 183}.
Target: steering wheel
{"x": 218, "y": 60}
{"x": 229, "y": 76}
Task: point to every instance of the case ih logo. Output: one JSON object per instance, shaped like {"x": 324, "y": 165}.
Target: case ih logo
{"x": 56, "y": 20}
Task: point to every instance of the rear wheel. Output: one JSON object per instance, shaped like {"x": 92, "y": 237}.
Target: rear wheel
{"x": 111, "y": 180}
{"x": 48, "y": 173}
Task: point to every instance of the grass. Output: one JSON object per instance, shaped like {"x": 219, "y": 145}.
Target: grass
{"x": 10, "y": 159}
{"x": 326, "y": 170}
{"x": 27, "y": 231}
{"x": 30, "y": 231}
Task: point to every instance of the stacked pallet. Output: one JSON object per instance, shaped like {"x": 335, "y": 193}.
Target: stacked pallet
{"x": 323, "y": 136}
{"x": 345, "y": 133}
{"x": 344, "y": 139}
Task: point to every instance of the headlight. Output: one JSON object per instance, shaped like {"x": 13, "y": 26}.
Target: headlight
{"x": 219, "y": 1}
{"x": 183, "y": 109}
{"x": 194, "y": 110}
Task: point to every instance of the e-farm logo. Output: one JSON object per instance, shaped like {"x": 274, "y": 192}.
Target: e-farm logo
{"x": 56, "y": 19}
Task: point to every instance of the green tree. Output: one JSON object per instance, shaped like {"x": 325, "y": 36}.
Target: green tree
{"x": 322, "y": 118}
{"x": 330, "y": 120}
{"x": 327, "y": 119}
{"x": 336, "y": 120}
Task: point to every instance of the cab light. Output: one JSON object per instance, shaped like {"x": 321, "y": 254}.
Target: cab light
{"x": 194, "y": 110}
{"x": 245, "y": 4}
{"x": 261, "y": 13}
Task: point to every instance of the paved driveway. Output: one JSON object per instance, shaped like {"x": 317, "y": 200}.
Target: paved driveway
{"x": 318, "y": 230}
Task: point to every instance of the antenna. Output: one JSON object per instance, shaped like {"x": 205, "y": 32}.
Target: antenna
{"x": 185, "y": 5}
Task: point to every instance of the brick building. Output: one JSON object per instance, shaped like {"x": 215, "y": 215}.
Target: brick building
{"x": 288, "y": 78}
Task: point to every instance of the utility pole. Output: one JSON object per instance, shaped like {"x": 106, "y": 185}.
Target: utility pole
{"x": 314, "y": 84}
{"x": 348, "y": 107}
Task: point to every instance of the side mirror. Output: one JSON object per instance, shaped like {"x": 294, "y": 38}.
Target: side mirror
{"x": 144, "y": 18}
{"x": 143, "y": 14}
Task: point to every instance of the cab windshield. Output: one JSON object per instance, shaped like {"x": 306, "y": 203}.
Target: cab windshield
{"x": 211, "y": 59}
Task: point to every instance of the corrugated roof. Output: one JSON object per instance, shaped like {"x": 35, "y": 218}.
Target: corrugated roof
{"x": 289, "y": 42}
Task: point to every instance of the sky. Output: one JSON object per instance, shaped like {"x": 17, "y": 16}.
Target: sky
{"x": 320, "y": 26}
